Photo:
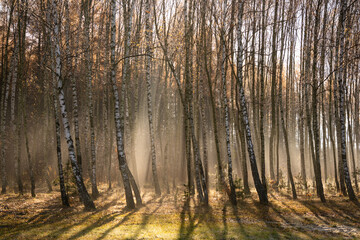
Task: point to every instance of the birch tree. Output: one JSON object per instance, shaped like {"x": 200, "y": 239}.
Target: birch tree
{"x": 341, "y": 83}
{"x": 84, "y": 196}
{"x": 227, "y": 124}
{"x": 260, "y": 187}
{"x": 148, "y": 57}
{"x": 87, "y": 6}
{"x": 125, "y": 172}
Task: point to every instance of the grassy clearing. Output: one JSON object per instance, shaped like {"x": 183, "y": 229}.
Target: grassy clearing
{"x": 173, "y": 217}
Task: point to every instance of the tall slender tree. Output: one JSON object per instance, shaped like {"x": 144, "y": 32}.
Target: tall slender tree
{"x": 260, "y": 187}
{"x": 87, "y": 7}
{"x": 341, "y": 83}
{"x": 84, "y": 196}
{"x": 148, "y": 57}
{"x": 125, "y": 172}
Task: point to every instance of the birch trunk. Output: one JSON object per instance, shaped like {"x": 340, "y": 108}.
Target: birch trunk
{"x": 322, "y": 71}
{"x": 89, "y": 79}
{"x": 281, "y": 107}
{"x": 315, "y": 126}
{"x": 207, "y": 66}
{"x": 13, "y": 93}
{"x": 330, "y": 110}
{"x": 273, "y": 98}
{"x": 84, "y": 196}
{"x": 342, "y": 89}
{"x": 201, "y": 91}
{"x": 301, "y": 103}
{"x": 337, "y": 116}
{"x": 260, "y": 187}
{"x": 148, "y": 60}
{"x": 119, "y": 137}
{"x": 227, "y": 124}
{"x": 29, "y": 160}
{"x": 262, "y": 102}
{"x": 64, "y": 197}
{"x": 73, "y": 79}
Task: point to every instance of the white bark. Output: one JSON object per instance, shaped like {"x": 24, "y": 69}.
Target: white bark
{"x": 90, "y": 122}
{"x": 88, "y": 203}
{"x": 342, "y": 89}
{"x": 148, "y": 36}
{"x": 72, "y": 78}
{"x": 119, "y": 137}
{"x": 258, "y": 184}
{"x": 227, "y": 125}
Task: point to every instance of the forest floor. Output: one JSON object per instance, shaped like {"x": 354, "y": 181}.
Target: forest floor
{"x": 172, "y": 217}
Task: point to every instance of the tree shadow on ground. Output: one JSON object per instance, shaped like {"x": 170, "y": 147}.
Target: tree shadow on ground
{"x": 146, "y": 216}
{"x": 317, "y": 212}
{"x": 326, "y": 216}
{"x": 267, "y": 212}
{"x": 67, "y": 226}
{"x": 186, "y": 230}
{"x": 235, "y": 211}
{"x": 340, "y": 214}
{"x": 54, "y": 214}
{"x": 127, "y": 216}
{"x": 263, "y": 210}
{"x": 109, "y": 218}
{"x": 191, "y": 219}
{"x": 344, "y": 212}
{"x": 104, "y": 220}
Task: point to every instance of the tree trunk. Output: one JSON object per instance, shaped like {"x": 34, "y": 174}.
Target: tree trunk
{"x": 273, "y": 97}
{"x": 302, "y": 103}
{"x": 315, "y": 126}
{"x": 148, "y": 59}
{"x": 260, "y": 187}
{"x": 119, "y": 138}
{"x": 64, "y": 197}
{"x": 330, "y": 110}
{"x": 322, "y": 71}
{"x": 84, "y": 196}
{"x": 4, "y": 100}
{"x": 342, "y": 89}
{"x": 88, "y": 67}
{"x": 226, "y": 111}
{"x": 281, "y": 107}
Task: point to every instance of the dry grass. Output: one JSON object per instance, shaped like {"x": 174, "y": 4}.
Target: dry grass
{"x": 173, "y": 217}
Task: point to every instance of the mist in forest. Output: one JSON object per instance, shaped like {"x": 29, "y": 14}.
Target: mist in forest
{"x": 233, "y": 97}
